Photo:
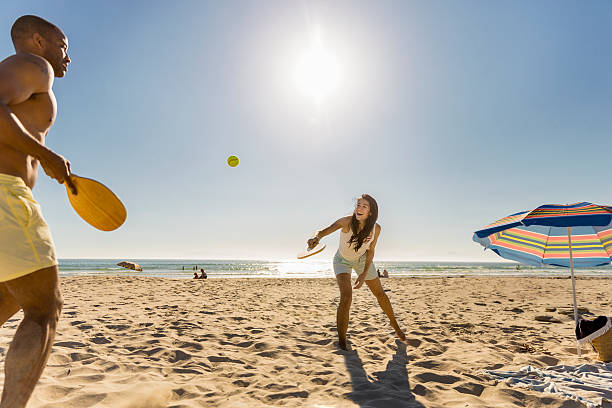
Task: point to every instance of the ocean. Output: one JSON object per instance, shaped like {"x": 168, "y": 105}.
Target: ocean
{"x": 184, "y": 268}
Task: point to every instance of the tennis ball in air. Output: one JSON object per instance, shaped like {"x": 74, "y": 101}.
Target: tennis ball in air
{"x": 232, "y": 161}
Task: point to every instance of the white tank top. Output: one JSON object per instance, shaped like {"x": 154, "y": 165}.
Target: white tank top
{"x": 347, "y": 251}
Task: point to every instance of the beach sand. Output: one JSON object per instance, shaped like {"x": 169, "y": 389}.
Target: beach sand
{"x": 154, "y": 342}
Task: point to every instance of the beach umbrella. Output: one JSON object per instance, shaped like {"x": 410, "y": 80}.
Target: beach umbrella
{"x": 573, "y": 235}
{"x": 130, "y": 265}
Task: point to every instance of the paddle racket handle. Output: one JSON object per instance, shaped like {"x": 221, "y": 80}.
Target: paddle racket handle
{"x": 70, "y": 185}
{"x": 314, "y": 241}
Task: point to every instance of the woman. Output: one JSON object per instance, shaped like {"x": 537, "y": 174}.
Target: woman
{"x": 358, "y": 236}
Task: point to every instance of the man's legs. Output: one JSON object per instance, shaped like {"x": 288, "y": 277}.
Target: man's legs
{"x": 39, "y": 297}
{"x": 8, "y": 304}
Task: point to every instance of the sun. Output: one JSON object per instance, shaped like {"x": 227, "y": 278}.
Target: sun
{"x": 318, "y": 73}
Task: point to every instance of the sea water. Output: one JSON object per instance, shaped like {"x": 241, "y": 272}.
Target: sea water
{"x": 184, "y": 268}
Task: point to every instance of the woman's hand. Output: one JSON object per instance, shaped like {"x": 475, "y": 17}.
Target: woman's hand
{"x": 360, "y": 280}
{"x": 312, "y": 242}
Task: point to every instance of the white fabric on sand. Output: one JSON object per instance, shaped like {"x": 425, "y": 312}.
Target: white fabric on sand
{"x": 590, "y": 384}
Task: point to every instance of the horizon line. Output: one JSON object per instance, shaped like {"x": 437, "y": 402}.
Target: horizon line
{"x": 291, "y": 259}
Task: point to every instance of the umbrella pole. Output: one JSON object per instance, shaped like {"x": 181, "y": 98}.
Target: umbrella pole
{"x": 569, "y": 240}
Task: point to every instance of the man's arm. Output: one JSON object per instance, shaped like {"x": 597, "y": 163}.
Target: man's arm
{"x": 14, "y": 134}
{"x": 21, "y": 76}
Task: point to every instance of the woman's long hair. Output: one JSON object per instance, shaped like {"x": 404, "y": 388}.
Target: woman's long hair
{"x": 359, "y": 237}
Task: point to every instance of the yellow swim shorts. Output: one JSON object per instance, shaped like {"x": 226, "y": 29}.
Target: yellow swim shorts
{"x": 25, "y": 240}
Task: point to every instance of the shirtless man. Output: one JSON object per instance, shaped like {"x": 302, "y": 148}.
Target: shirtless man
{"x": 28, "y": 267}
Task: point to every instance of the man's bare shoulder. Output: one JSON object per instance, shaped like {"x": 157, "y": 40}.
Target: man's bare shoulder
{"x": 22, "y": 75}
{"x": 25, "y": 60}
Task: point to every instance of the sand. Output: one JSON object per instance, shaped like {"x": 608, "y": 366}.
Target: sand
{"x": 129, "y": 342}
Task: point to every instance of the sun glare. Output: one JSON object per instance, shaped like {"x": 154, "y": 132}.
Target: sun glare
{"x": 318, "y": 72}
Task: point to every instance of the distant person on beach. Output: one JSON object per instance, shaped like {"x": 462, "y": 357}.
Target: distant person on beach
{"x": 385, "y": 274}
{"x": 358, "y": 236}
{"x": 378, "y": 273}
{"x": 29, "y": 278}
{"x": 203, "y": 274}
{"x": 195, "y": 275}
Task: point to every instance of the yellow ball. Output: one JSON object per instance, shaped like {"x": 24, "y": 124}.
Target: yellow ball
{"x": 232, "y": 161}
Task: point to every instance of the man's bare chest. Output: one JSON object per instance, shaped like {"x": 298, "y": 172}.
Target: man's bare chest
{"x": 37, "y": 114}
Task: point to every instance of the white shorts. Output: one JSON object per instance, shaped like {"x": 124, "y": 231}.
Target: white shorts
{"x": 342, "y": 265}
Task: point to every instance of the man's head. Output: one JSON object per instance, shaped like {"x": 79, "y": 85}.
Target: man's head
{"x": 38, "y": 36}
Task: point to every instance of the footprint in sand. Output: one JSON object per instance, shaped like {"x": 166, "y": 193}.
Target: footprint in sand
{"x": 176, "y": 356}
{"x": 222, "y": 359}
{"x": 100, "y": 339}
{"x": 421, "y": 390}
{"x": 186, "y": 371}
{"x": 435, "y": 351}
{"x": 268, "y": 354}
{"x": 432, "y": 365}
{"x": 190, "y": 346}
{"x": 278, "y": 387}
{"x": 470, "y": 388}
{"x": 152, "y": 352}
{"x": 322, "y": 342}
{"x": 433, "y": 377}
{"x": 69, "y": 344}
{"x": 255, "y": 331}
{"x": 413, "y": 342}
{"x": 241, "y": 383}
{"x": 83, "y": 357}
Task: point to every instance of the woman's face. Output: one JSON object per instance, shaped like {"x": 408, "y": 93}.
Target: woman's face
{"x": 362, "y": 210}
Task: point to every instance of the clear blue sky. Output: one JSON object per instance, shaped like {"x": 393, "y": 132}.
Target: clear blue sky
{"x": 450, "y": 113}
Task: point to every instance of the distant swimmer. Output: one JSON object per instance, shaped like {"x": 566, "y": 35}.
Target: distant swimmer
{"x": 28, "y": 266}
{"x": 358, "y": 236}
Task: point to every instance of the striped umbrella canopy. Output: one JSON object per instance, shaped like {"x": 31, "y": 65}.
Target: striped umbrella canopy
{"x": 570, "y": 235}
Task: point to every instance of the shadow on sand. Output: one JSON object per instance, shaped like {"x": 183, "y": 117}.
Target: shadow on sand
{"x": 389, "y": 388}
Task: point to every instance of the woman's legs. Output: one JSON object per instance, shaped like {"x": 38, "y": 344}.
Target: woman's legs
{"x": 385, "y": 304}
{"x": 342, "y": 315}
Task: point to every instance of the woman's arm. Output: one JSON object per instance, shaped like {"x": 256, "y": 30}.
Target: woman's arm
{"x": 369, "y": 258}
{"x": 341, "y": 223}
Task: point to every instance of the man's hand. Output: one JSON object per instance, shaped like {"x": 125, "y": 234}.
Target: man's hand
{"x": 58, "y": 168}
{"x": 360, "y": 280}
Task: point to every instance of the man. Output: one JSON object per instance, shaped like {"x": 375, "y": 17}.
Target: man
{"x": 28, "y": 267}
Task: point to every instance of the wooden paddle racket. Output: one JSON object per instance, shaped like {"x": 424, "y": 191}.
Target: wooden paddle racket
{"x": 96, "y": 204}
{"x": 310, "y": 252}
